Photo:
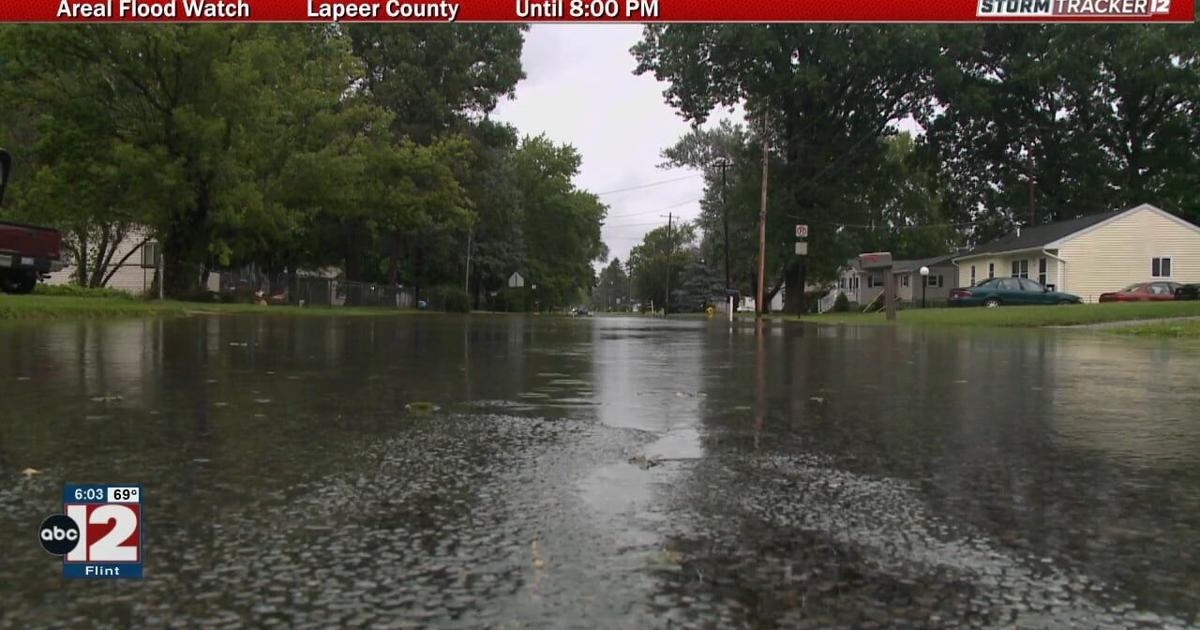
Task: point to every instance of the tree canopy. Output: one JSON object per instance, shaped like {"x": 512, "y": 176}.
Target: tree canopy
{"x": 362, "y": 147}
{"x": 1013, "y": 124}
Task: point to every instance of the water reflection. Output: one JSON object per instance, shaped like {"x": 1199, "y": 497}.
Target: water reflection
{"x": 618, "y": 472}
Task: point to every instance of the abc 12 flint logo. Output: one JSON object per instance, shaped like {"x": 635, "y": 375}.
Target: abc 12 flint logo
{"x": 99, "y": 533}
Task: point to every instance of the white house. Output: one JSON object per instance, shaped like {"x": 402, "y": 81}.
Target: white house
{"x": 128, "y": 274}
{"x": 862, "y": 287}
{"x": 1092, "y": 254}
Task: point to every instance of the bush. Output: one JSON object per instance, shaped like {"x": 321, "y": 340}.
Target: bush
{"x": 841, "y": 304}
{"x": 512, "y": 300}
{"x": 76, "y": 290}
{"x": 449, "y": 299}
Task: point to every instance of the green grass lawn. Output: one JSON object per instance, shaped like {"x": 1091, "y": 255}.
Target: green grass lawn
{"x": 1019, "y": 316}
{"x": 68, "y": 307}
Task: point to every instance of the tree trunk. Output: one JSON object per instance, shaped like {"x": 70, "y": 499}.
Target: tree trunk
{"x": 393, "y": 274}
{"x": 81, "y": 260}
{"x": 476, "y": 290}
{"x": 186, "y": 246}
{"x": 794, "y": 279}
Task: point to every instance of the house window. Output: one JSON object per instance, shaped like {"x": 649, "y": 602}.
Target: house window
{"x": 1042, "y": 271}
{"x": 991, "y": 270}
{"x": 842, "y": 283}
{"x": 1160, "y": 267}
{"x": 904, "y": 280}
{"x": 874, "y": 281}
{"x": 972, "y": 275}
{"x": 935, "y": 281}
{"x": 1020, "y": 268}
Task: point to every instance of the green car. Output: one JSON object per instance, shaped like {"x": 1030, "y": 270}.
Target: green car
{"x": 994, "y": 292}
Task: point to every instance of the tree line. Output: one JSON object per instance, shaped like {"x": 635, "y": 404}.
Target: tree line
{"x": 915, "y": 139}
{"x": 367, "y": 148}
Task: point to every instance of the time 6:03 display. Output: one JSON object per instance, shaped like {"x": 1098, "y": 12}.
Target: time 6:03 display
{"x": 98, "y": 494}
{"x": 593, "y": 9}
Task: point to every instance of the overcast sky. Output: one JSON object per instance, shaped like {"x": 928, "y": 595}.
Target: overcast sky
{"x": 580, "y": 89}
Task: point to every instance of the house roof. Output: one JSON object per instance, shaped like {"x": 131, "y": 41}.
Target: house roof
{"x": 905, "y": 266}
{"x": 1040, "y": 235}
{"x": 902, "y": 266}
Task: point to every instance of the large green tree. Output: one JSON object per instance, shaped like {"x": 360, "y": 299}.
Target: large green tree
{"x": 434, "y": 82}
{"x": 612, "y": 288}
{"x": 1043, "y": 123}
{"x": 561, "y": 222}
{"x": 825, "y": 96}
{"x": 659, "y": 260}
{"x": 198, "y": 115}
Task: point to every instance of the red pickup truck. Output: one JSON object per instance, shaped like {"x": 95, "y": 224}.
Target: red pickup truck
{"x": 27, "y": 252}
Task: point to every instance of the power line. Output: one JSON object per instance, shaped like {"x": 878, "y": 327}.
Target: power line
{"x": 670, "y": 207}
{"x": 650, "y": 185}
{"x": 624, "y": 225}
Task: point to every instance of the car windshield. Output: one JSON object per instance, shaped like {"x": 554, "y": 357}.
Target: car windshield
{"x": 1132, "y": 288}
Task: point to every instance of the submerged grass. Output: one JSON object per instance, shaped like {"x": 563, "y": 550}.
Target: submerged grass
{"x": 1020, "y": 316}
{"x": 68, "y": 307}
{"x": 1177, "y": 329}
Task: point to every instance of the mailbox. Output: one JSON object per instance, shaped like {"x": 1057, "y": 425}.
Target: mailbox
{"x": 875, "y": 260}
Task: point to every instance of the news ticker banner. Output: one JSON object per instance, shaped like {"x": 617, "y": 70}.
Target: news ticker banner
{"x": 427, "y": 11}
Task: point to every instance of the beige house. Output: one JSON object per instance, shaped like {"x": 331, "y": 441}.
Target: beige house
{"x": 1092, "y": 254}
{"x": 862, "y": 287}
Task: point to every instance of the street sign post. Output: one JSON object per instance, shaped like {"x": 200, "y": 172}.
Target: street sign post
{"x": 801, "y": 248}
{"x": 882, "y": 261}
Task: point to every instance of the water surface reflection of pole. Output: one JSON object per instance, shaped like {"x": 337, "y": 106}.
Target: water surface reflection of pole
{"x": 760, "y": 380}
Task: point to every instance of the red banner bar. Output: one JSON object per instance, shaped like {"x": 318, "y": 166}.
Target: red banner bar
{"x": 402, "y": 11}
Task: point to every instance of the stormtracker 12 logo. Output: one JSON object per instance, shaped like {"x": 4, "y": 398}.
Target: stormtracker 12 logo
{"x": 99, "y": 533}
{"x": 1072, "y": 8}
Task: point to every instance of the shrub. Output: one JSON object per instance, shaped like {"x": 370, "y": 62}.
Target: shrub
{"x": 841, "y": 304}
{"x": 76, "y": 290}
{"x": 512, "y": 300}
{"x": 448, "y": 298}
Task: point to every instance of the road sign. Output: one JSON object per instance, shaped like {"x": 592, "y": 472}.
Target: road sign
{"x": 801, "y": 248}
{"x": 801, "y": 230}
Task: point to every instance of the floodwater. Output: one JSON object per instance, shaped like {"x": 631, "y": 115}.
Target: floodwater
{"x": 493, "y": 471}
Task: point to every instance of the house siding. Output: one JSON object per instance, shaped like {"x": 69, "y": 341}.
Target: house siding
{"x": 129, "y": 277}
{"x": 1003, "y": 266}
{"x": 1119, "y": 253}
{"x": 912, "y": 293}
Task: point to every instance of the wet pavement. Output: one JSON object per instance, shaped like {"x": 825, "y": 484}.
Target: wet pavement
{"x": 497, "y": 471}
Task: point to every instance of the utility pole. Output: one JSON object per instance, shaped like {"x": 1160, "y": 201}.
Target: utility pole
{"x": 1029, "y": 180}
{"x": 670, "y": 251}
{"x": 759, "y": 306}
{"x": 724, "y": 164}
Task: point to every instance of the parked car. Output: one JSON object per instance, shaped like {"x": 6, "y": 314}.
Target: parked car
{"x": 1143, "y": 292}
{"x": 1009, "y": 291}
{"x": 1188, "y": 292}
{"x": 27, "y": 252}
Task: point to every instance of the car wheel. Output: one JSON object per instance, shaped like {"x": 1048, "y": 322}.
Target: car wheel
{"x": 991, "y": 302}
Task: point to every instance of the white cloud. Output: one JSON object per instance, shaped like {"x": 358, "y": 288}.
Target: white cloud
{"x": 581, "y": 90}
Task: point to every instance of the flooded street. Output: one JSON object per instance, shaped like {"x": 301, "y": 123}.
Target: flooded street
{"x": 498, "y": 471}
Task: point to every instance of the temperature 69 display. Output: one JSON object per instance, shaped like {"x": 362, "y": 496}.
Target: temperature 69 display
{"x": 99, "y": 533}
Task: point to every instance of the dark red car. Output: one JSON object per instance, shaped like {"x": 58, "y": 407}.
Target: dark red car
{"x": 1143, "y": 292}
